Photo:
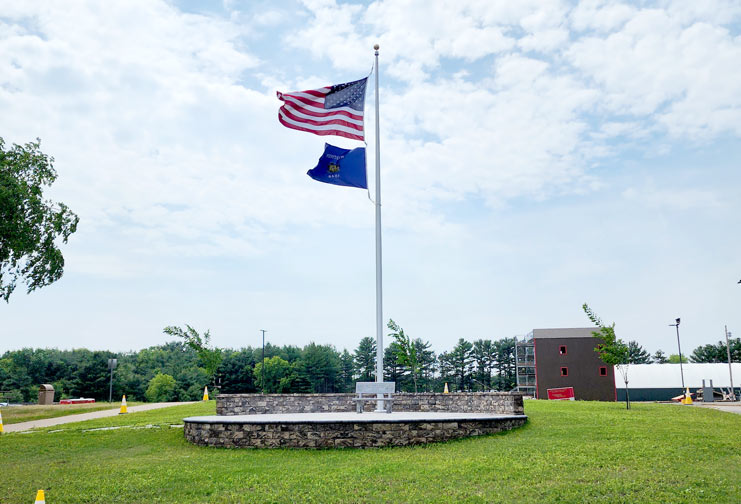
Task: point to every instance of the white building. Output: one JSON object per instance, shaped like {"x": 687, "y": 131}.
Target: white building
{"x": 661, "y": 382}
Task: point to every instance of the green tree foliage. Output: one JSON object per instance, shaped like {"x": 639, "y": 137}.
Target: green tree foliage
{"x": 505, "y": 364}
{"x": 717, "y": 352}
{"x": 319, "y": 365}
{"x": 405, "y": 351}
{"x": 289, "y": 369}
{"x": 236, "y": 372}
{"x": 161, "y": 388}
{"x": 393, "y": 371}
{"x": 347, "y": 370}
{"x": 446, "y": 368}
{"x": 427, "y": 363}
{"x": 674, "y": 359}
{"x": 637, "y": 354}
{"x": 29, "y": 225}
{"x": 277, "y": 377}
{"x": 92, "y": 377}
{"x": 461, "y": 359}
{"x": 612, "y": 351}
{"x": 659, "y": 358}
{"x": 484, "y": 357}
{"x": 210, "y": 357}
{"x": 365, "y": 359}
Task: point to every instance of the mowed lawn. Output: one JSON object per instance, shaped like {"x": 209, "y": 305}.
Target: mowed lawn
{"x": 568, "y": 452}
{"x": 17, "y": 414}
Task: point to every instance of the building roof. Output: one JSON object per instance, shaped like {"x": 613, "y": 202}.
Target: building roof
{"x": 669, "y": 376}
{"x": 564, "y": 332}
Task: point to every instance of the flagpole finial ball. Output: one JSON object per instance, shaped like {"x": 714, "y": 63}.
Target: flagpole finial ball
{"x": 376, "y": 47}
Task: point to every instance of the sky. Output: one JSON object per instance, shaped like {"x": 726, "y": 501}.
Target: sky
{"x": 535, "y": 155}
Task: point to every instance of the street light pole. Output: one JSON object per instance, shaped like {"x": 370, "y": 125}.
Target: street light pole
{"x": 263, "y": 360}
{"x": 679, "y": 346}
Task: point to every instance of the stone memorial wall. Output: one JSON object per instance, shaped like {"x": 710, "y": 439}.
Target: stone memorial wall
{"x": 501, "y": 403}
{"x": 329, "y": 434}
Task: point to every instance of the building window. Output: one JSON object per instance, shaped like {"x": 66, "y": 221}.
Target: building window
{"x": 603, "y": 371}
{"x": 564, "y": 371}
{"x": 562, "y": 349}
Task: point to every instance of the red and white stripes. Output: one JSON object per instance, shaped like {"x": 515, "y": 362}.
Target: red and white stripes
{"x": 305, "y": 111}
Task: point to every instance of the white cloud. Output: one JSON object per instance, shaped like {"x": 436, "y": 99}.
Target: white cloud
{"x": 140, "y": 102}
{"x": 600, "y": 15}
{"x": 658, "y": 66}
{"x": 678, "y": 198}
{"x": 506, "y": 129}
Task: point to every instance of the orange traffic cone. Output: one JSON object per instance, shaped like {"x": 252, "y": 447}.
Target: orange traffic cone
{"x": 687, "y": 397}
{"x": 446, "y": 391}
{"x": 123, "y": 409}
{"x": 40, "y": 497}
{"x": 205, "y": 394}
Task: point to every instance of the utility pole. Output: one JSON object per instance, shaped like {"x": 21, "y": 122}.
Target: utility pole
{"x": 681, "y": 370}
{"x": 730, "y": 368}
{"x": 263, "y": 360}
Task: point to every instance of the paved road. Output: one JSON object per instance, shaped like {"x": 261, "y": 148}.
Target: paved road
{"x": 734, "y": 407}
{"x": 48, "y": 422}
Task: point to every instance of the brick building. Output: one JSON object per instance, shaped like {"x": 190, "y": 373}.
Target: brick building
{"x": 557, "y": 358}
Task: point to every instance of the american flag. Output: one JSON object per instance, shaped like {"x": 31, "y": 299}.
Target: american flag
{"x": 333, "y": 110}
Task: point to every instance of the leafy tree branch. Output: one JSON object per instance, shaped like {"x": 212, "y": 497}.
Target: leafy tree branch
{"x": 210, "y": 357}
{"x": 612, "y": 351}
{"x": 29, "y": 225}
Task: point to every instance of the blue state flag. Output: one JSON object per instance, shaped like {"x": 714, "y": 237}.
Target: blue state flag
{"x": 343, "y": 167}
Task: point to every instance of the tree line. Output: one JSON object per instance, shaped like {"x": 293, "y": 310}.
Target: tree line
{"x": 703, "y": 354}
{"x": 179, "y": 370}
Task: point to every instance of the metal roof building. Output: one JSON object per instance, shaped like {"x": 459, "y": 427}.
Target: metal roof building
{"x": 661, "y": 382}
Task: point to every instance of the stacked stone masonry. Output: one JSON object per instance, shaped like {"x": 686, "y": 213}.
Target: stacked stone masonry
{"x": 341, "y": 434}
{"x": 465, "y": 402}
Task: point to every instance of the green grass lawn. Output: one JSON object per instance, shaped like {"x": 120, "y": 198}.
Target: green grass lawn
{"x": 17, "y": 414}
{"x": 568, "y": 452}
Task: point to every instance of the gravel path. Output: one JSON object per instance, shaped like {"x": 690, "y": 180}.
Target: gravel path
{"x": 48, "y": 422}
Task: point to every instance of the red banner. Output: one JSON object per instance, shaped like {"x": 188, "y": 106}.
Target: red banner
{"x": 561, "y": 394}
{"x": 76, "y": 401}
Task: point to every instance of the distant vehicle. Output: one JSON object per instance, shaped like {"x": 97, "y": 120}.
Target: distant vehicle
{"x": 3, "y": 404}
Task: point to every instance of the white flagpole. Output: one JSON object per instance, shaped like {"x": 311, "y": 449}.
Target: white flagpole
{"x": 379, "y": 271}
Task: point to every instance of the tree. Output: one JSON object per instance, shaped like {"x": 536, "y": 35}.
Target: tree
{"x": 718, "y": 352}
{"x": 674, "y": 359}
{"x": 461, "y": 359}
{"x": 406, "y": 351}
{"x": 483, "y": 353}
{"x": 365, "y": 359}
{"x": 346, "y": 371}
{"x": 279, "y": 375}
{"x": 637, "y": 354}
{"x": 393, "y": 371}
{"x": 612, "y": 351}
{"x": 210, "y": 357}
{"x": 91, "y": 378}
{"x": 320, "y": 366}
{"x": 660, "y": 357}
{"x": 30, "y": 225}
{"x": 426, "y": 359}
{"x": 446, "y": 367}
{"x": 236, "y": 372}
{"x": 505, "y": 363}
{"x": 161, "y": 388}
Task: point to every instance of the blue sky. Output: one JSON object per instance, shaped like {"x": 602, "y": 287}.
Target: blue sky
{"x": 535, "y": 155}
